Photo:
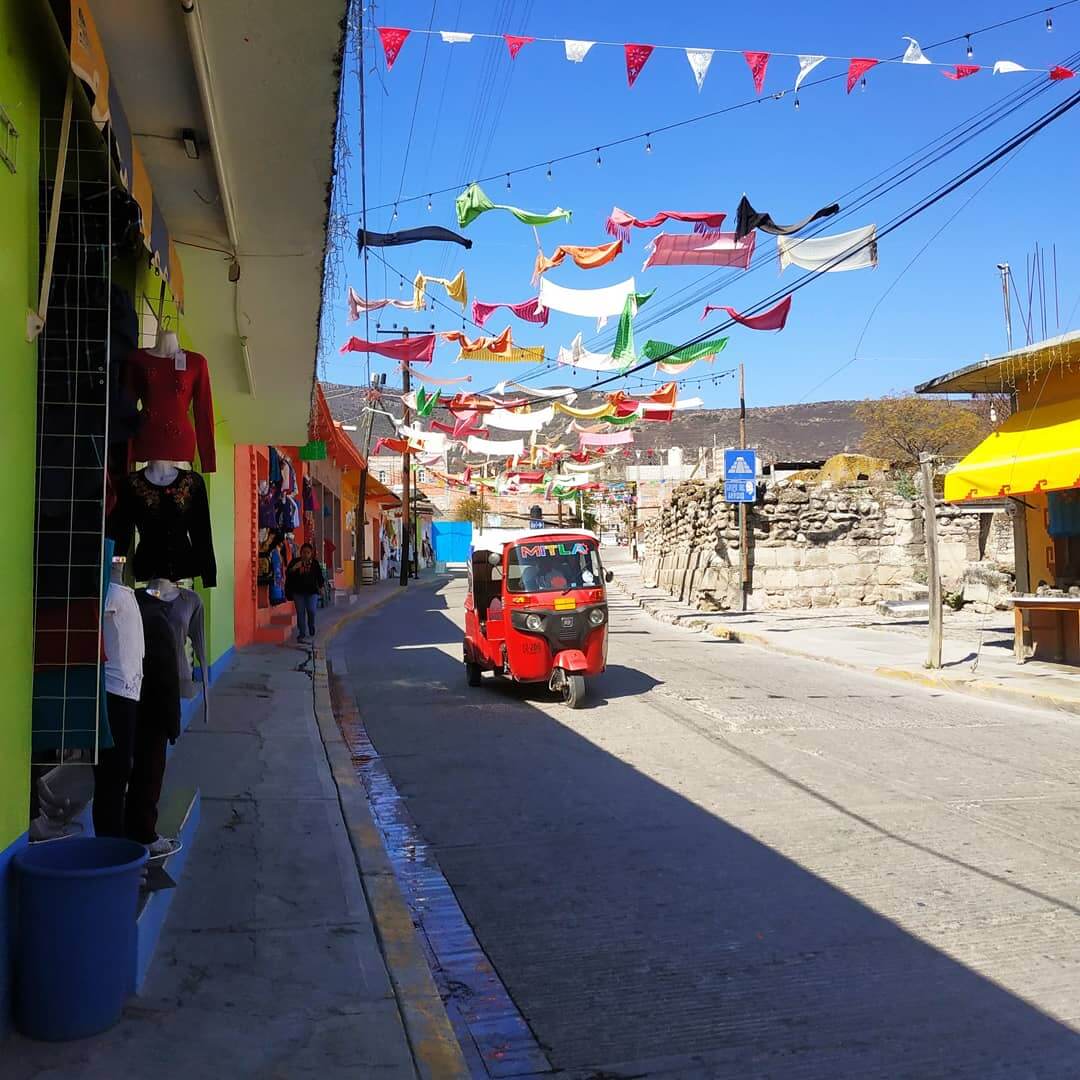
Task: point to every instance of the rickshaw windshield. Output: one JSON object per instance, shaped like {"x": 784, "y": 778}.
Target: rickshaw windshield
{"x": 546, "y": 567}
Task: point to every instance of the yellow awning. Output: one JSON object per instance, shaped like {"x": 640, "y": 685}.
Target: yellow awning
{"x": 1036, "y": 450}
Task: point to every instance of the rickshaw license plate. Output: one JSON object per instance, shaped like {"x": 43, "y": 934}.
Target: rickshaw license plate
{"x": 568, "y": 620}
{"x": 565, "y": 603}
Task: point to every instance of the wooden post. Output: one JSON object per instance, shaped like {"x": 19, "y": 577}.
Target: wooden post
{"x": 933, "y": 572}
{"x": 360, "y": 542}
{"x": 406, "y": 478}
{"x": 744, "y": 543}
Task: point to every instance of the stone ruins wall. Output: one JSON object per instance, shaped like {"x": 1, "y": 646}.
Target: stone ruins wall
{"x": 814, "y": 544}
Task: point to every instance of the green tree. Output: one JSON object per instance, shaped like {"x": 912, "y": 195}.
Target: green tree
{"x": 901, "y": 428}
{"x": 468, "y": 508}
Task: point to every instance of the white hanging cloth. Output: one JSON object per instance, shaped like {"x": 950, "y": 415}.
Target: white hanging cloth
{"x": 455, "y": 37}
{"x": 806, "y": 65}
{"x": 914, "y": 54}
{"x": 576, "y": 51}
{"x": 855, "y": 250}
{"x": 699, "y": 59}
{"x": 519, "y": 421}
{"x": 1007, "y": 67}
{"x": 431, "y": 442}
{"x": 564, "y": 393}
{"x": 597, "y": 304}
{"x": 579, "y": 357}
{"x": 573, "y": 466}
{"x": 496, "y": 447}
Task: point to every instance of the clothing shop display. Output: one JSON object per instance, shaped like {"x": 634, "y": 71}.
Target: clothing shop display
{"x": 367, "y": 238}
{"x": 274, "y": 474}
{"x": 619, "y": 222}
{"x": 689, "y": 249}
{"x": 747, "y": 219}
{"x": 112, "y": 772}
{"x": 472, "y": 202}
{"x": 854, "y": 250}
{"x": 529, "y": 310}
{"x": 186, "y": 623}
{"x": 588, "y": 303}
{"x": 277, "y": 578}
{"x": 122, "y": 635}
{"x": 168, "y": 388}
{"x": 173, "y": 523}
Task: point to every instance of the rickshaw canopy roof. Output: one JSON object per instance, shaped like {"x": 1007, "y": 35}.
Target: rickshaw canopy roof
{"x": 536, "y": 534}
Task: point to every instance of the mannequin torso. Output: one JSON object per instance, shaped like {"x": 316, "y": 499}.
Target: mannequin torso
{"x": 163, "y": 473}
{"x": 162, "y": 589}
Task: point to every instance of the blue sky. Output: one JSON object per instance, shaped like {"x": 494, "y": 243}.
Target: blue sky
{"x": 944, "y": 311}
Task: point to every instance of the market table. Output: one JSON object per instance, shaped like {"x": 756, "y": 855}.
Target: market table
{"x": 1067, "y": 610}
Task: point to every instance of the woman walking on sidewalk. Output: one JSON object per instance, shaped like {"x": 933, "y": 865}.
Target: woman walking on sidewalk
{"x": 304, "y": 580}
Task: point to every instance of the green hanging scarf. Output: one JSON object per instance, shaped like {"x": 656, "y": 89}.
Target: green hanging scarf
{"x": 472, "y": 202}
{"x": 620, "y": 421}
{"x": 654, "y": 350}
{"x": 624, "y": 336}
{"x": 425, "y": 403}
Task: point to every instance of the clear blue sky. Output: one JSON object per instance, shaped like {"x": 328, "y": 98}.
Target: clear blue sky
{"x": 945, "y": 311}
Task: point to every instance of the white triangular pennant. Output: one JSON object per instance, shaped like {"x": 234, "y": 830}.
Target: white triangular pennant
{"x": 806, "y": 65}
{"x": 1007, "y": 67}
{"x": 700, "y": 59}
{"x": 576, "y": 50}
{"x": 455, "y": 37}
{"x": 914, "y": 53}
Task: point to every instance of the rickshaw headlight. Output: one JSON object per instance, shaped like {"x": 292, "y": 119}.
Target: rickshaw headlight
{"x": 534, "y": 623}
{"x": 597, "y": 616}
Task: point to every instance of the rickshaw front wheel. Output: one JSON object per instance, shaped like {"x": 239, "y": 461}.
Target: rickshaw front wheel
{"x": 472, "y": 673}
{"x": 573, "y": 690}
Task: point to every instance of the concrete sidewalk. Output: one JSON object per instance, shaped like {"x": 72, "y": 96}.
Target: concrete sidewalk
{"x": 977, "y": 654}
{"x": 274, "y": 961}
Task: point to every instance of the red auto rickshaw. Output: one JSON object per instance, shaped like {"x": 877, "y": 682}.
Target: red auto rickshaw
{"x": 537, "y": 611}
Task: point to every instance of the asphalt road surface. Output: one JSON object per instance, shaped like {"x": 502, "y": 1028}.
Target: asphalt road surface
{"x": 737, "y": 864}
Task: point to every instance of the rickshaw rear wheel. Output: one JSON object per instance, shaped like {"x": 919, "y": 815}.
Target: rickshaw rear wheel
{"x": 573, "y": 690}
{"x": 472, "y": 673}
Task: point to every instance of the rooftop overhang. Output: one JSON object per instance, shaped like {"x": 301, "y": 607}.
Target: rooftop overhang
{"x": 998, "y": 374}
{"x": 257, "y": 82}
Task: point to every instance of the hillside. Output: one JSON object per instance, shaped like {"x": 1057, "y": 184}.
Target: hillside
{"x": 805, "y": 432}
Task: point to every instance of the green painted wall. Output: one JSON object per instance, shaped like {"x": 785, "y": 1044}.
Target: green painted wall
{"x": 20, "y": 73}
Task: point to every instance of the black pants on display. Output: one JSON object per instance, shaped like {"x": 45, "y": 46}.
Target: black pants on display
{"x": 129, "y": 777}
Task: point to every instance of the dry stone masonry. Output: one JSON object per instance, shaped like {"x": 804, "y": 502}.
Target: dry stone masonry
{"x": 818, "y": 544}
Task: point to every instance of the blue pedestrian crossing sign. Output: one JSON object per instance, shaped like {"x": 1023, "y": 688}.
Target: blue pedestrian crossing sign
{"x": 740, "y": 476}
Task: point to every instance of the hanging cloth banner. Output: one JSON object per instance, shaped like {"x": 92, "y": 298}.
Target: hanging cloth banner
{"x": 758, "y": 63}
{"x": 456, "y": 288}
{"x": 747, "y": 219}
{"x": 624, "y": 335}
{"x": 455, "y": 37}
{"x": 515, "y": 44}
{"x": 636, "y": 58}
{"x": 961, "y": 71}
{"x": 773, "y": 319}
{"x": 1007, "y": 67}
{"x": 392, "y": 37}
{"x": 472, "y": 202}
{"x": 395, "y": 446}
{"x": 806, "y": 65}
{"x": 1058, "y": 73}
{"x": 573, "y": 466}
{"x": 517, "y": 354}
{"x": 500, "y": 344}
{"x": 358, "y": 305}
{"x": 607, "y": 409}
{"x": 686, "y": 354}
{"x": 419, "y": 348}
{"x": 496, "y": 448}
{"x": 366, "y": 238}
{"x": 858, "y": 67}
{"x": 576, "y": 356}
{"x": 913, "y": 54}
{"x": 576, "y": 51}
{"x": 615, "y": 438}
{"x": 686, "y": 249}
{"x": 619, "y": 222}
{"x": 529, "y": 310}
{"x": 431, "y": 381}
{"x": 430, "y": 442}
{"x": 855, "y": 250}
{"x": 425, "y": 402}
{"x": 699, "y": 60}
{"x": 515, "y": 421}
{"x": 597, "y": 304}
{"x": 566, "y": 393}
{"x": 587, "y": 258}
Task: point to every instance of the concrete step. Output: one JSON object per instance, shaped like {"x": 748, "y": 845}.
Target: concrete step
{"x": 904, "y": 609}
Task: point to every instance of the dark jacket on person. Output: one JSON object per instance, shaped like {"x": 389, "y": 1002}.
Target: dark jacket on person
{"x": 301, "y": 582}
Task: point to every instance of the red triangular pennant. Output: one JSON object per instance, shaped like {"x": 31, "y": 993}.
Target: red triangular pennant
{"x": 636, "y": 55}
{"x": 514, "y": 44}
{"x": 962, "y": 71}
{"x": 1059, "y": 72}
{"x": 758, "y": 62}
{"x": 858, "y": 67}
{"x": 393, "y": 38}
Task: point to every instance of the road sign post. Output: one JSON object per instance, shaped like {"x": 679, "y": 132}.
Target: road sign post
{"x": 740, "y": 487}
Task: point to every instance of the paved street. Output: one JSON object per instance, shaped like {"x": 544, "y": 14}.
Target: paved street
{"x": 738, "y": 864}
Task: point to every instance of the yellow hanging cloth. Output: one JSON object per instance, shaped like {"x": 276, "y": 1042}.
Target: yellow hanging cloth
{"x": 514, "y": 355}
{"x": 585, "y": 414}
{"x": 456, "y": 288}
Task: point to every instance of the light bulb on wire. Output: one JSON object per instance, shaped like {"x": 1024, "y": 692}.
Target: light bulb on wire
{"x": 970, "y": 47}
{"x": 429, "y": 204}
{"x": 394, "y": 218}
{"x": 1049, "y": 25}
{"x": 648, "y": 142}
{"x": 796, "y": 104}
{"x": 598, "y": 162}
{"x": 862, "y": 85}
{"x": 507, "y": 181}
{"x": 549, "y": 170}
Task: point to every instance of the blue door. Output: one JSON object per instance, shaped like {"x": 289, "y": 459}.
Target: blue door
{"x": 452, "y": 541}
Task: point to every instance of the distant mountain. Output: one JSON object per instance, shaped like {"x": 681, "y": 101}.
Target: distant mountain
{"x": 805, "y": 432}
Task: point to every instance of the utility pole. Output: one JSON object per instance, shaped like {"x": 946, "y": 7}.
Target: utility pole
{"x": 1003, "y": 269}
{"x": 360, "y": 543}
{"x": 933, "y": 573}
{"x": 406, "y": 477}
{"x": 744, "y": 545}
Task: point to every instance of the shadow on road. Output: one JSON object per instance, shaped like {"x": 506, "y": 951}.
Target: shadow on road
{"x": 638, "y": 932}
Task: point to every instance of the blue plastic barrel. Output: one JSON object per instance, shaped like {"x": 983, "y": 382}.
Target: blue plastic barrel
{"x": 76, "y": 902}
